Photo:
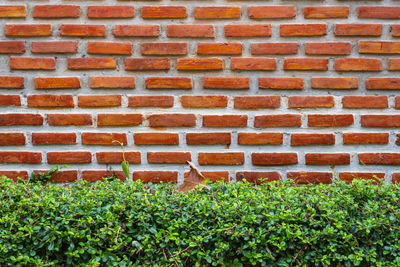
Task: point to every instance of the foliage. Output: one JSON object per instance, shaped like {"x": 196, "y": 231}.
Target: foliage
{"x": 238, "y": 224}
{"x": 45, "y": 178}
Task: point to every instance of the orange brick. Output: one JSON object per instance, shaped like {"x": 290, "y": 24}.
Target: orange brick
{"x": 168, "y": 83}
{"x": 260, "y": 138}
{"x": 300, "y": 102}
{"x": 190, "y": 31}
{"x": 311, "y": 177}
{"x": 50, "y": 101}
{"x": 358, "y": 29}
{"x": 331, "y": 120}
{"x": 383, "y": 84}
{"x": 110, "y": 139}
{"x": 156, "y": 138}
{"x": 232, "y": 158}
{"x": 69, "y": 119}
{"x": 306, "y": 64}
{"x": 253, "y": 64}
{"x": 365, "y": 138}
{"x": 54, "y": 47}
{"x": 274, "y": 48}
{"x": 213, "y": 176}
{"x": 287, "y": 30}
{"x": 219, "y": 48}
{"x": 327, "y": 158}
{"x": 76, "y": 157}
{"x": 379, "y": 158}
{"x": 12, "y": 47}
{"x": 53, "y": 138}
{"x": 208, "y": 138}
{"x": 60, "y": 176}
{"x": 311, "y": 139}
{"x": 164, "y": 12}
{"x": 15, "y": 175}
{"x": 156, "y": 176}
{"x": 172, "y": 120}
{"x": 112, "y": 82}
{"x": 82, "y": 30}
{"x": 225, "y": 120}
{"x": 110, "y": 12}
{"x": 394, "y": 64}
{"x": 280, "y": 83}
{"x": 274, "y": 159}
{"x": 136, "y": 30}
{"x": 56, "y": 11}
{"x": 217, "y": 82}
{"x": 57, "y": 83}
{"x": 204, "y": 101}
{"x": 377, "y": 47}
{"x": 168, "y": 157}
{"x": 12, "y": 139}
{"x": 258, "y": 177}
{"x": 395, "y": 30}
{"x": 369, "y": 101}
{"x": 141, "y": 64}
{"x": 20, "y": 157}
{"x": 12, "y": 11}
{"x": 94, "y": 176}
{"x": 326, "y": 12}
{"x": 348, "y": 177}
{"x": 162, "y": 101}
{"x": 10, "y": 100}
{"x": 248, "y": 30}
{"x": 11, "y": 119}
{"x": 200, "y": 64}
{"x": 379, "y": 12}
{"x": 336, "y": 48}
{"x": 257, "y": 102}
{"x": 118, "y": 157}
{"x": 115, "y": 48}
{"x": 334, "y": 83}
{"x": 157, "y": 49}
{"x": 279, "y": 120}
{"x": 358, "y": 64}
{"x": 384, "y": 121}
{"x": 93, "y": 101}
{"x": 119, "y": 119}
{"x": 27, "y": 30}
{"x": 32, "y": 63}
{"x": 217, "y": 12}
{"x": 91, "y": 63}
{"x": 272, "y": 12}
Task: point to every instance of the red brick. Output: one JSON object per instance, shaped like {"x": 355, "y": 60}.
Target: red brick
{"x": 394, "y": 64}
{"x": 169, "y": 83}
{"x": 310, "y": 139}
{"x": 32, "y": 63}
{"x": 156, "y": 176}
{"x": 310, "y": 177}
{"x": 380, "y": 120}
{"x": 253, "y": 64}
{"x": 256, "y": 102}
{"x": 334, "y": 120}
{"x": 358, "y": 64}
{"x": 278, "y": 120}
{"x": 12, "y": 139}
{"x": 348, "y": 177}
{"x": 164, "y": 12}
{"x": 306, "y": 64}
{"x": 334, "y": 83}
{"x": 168, "y": 157}
{"x": 357, "y": 29}
{"x": 258, "y": 177}
{"x": 218, "y": 82}
{"x": 199, "y": 64}
{"x": 140, "y": 64}
{"x": 82, "y": 30}
{"x": 136, "y": 30}
{"x": 94, "y": 101}
{"x": 56, "y": 11}
{"x": 217, "y": 12}
{"x": 281, "y": 83}
{"x": 13, "y": 11}
{"x": 287, "y": 30}
{"x": 54, "y": 47}
{"x": 114, "y": 48}
{"x": 156, "y": 138}
{"x": 91, "y": 63}
{"x": 94, "y": 176}
{"x": 20, "y": 157}
{"x": 190, "y": 31}
{"x": 106, "y": 139}
{"x": 272, "y": 12}
{"x": 161, "y": 101}
{"x": 213, "y": 176}
{"x": 326, "y": 12}
{"x": 75, "y": 157}
{"x": 395, "y": 30}
{"x": 11, "y": 82}
{"x": 379, "y": 158}
{"x": 365, "y": 138}
{"x": 225, "y": 120}
{"x": 365, "y": 101}
{"x": 397, "y": 102}
{"x": 53, "y": 138}
{"x": 172, "y": 120}
{"x": 379, "y": 12}
{"x": 383, "y": 84}
{"x": 247, "y": 30}
{"x": 395, "y": 177}
{"x": 112, "y": 82}
{"x": 274, "y": 159}
{"x": 118, "y": 157}
{"x": 334, "y": 48}
{"x": 274, "y": 48}
{"x": 50, "y": 101}
{"x": 110, "y": 12}
{"x": 69, "y": 119}
{"x": 60, "y": 176}
{"x": 157, "y": 49}
{"x": 10, "y": 100}
{"x": 119, "y": 119}
{"x": 12, "y": 47}
{"x": 378, "y": 47}
{"x": 231, "y": 158}
{"x": 204, "y": 101}
{"x": 219, "y": 48}
{"x": 57, "y": 83}
{"x": 11, "y": 119}
{"x": 15, "y": 175}
{"x": 327, "y": 158}
{"x": 208, "y": 138}
{"x": 260, "y": 138}
{"x": 27, "y": 30}
{"x": 311, "y": 102}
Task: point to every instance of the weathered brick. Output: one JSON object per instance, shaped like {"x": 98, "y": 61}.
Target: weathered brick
{"x": 281, "y": 83}
{"x": 172, "y": 120}
{"x": 10, "y": 100}
{"x": 12, "y": 139}
{"x": 169, "y": 83}
{"x": 57, "y": 83}
{"x": 142, "y": 64}
{"x": 50, "y": 101}
{"x": 327, "y": 158}
{"x": 365, "y": 101}
{"x": 225, "y": 120}
{"x": 27, "y": 30}
{"x": 11, "y": 119}
{"x": 227, "y": 158}
{"x": 247, "y": 30}
{"x": 260, "y": 138}
{"x": 326, "y": 12}
{"x": 319, "y": 64}
{"x": 299, "y": 30}
{"x": 379, "y": 158}
{"x": 60, "y": 176}
{"x": 20, "y": 157}
{"x": 156, "y": 138}
{"x": 311, "y": 139}
{"x": 15, "y": 175}
{"x": 378, "y": 47}
{"x": 110, "y": 139}
{"x": 278, "y": 120}
{"x": 54, "y": 47}
{"x": 218, "y": 82}
{"x": 272, "y": 12}
{"x": 95, "y": 101}
{"x": 53, "y": 138}
{"x": 311, "y": 177}
{"x": 358, "y": 64}
{"x": 110, "y": 12}
{"x": 12, "y": 47}
{"x": 257, "y": 102}
{"x": 258, "y": 177}
{"x": 200, "y": 64}
{"x": 395, "y": 30}
{"x": 219, "y": 48}
{"x": 118, "y": 157}
{"x": 11, "y": 82}
{"x": 204, "y": 101}
{"x": 274, "y": 159}
{"x": 76, "y": 157}
{"x": 348, "y": 177}
{"x": 112, "y": 82}
{"x": 136, "y": 30}
{"x": 383, "y": 83}
{"x": 32, "y": 63}
{"x": 168, "y": 157}
{"x": 311, "y": 102}
{"x": 274, "y": 48}
{"x": 151, "y": 101}
{"x": 379, "y": 12}
{"x": 15, "y": 11}
{"x": 190, "y": 31}
{"x": 156, "y": 176}
{"x": 119, "y": 119}
{"x": 208, "y": 138}
{"x": 253, "y": 64}
{"x": 91, "y": 63}
{"x": 394, "y": 64}
{"x": 56, "y": 11}
{"x": 213, "y": 176}
{"x": 392, "y": 120}
{"x": 94, "y": 176}
{"x": 82, "y": 30}
{"x": 157, "y": 49}
{"x": 334, "y": 48}
{"x": 331, "y": 120}
{"x": 334, "y": 83}
{"x": 358, "y": 29}
{"x": 69, "y": 119}
{"x": 164, "y": 12}
{"x": 217, "y": 12}
{"x": 365, "y": 138}
{"x": 115, "y": 48}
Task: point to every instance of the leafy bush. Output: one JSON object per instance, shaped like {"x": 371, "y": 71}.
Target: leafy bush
{"x": 238, "y": 224}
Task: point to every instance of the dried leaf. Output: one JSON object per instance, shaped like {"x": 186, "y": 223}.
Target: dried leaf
{"x": 194, "y": 178}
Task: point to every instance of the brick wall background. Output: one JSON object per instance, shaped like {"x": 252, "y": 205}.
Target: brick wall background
{"x": 299, "y": 89}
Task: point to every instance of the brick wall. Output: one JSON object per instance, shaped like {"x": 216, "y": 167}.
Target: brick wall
{"x": 299, "y": 89}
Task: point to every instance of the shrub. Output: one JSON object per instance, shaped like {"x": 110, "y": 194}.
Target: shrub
{"x": 237, "y": 224}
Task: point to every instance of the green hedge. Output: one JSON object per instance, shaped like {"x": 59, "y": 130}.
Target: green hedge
{"x": 238, "y": 224}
